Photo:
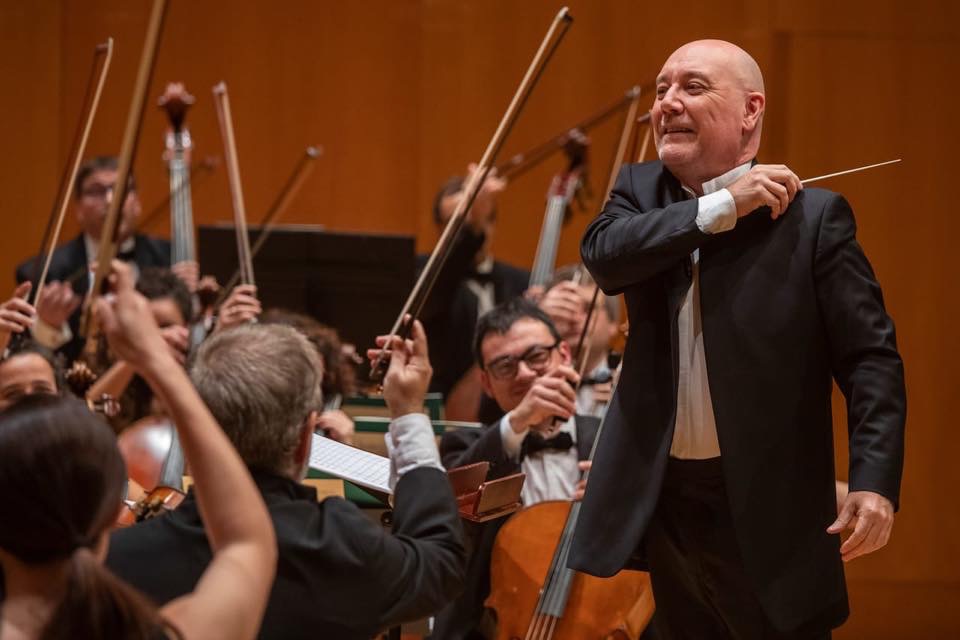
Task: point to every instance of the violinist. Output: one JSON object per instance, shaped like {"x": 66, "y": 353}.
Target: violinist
{"x": 340, "y": 575}
{"x": 747, "y": 294}
{"x": 61, "y": 483}
{"x": 471, "y": 283}
{"x": 567, "y": 302}
{"x": 526, "y": 367}
{"x": 171, "y": 307}
{"x": 58, "y": 315}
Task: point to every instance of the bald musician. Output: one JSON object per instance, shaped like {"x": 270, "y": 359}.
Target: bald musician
{"x": 746, "y": 295}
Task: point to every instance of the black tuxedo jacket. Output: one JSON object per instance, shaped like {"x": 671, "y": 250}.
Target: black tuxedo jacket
{"x": 70, "y": 262}
{"x": 339, "y": 574}
{"x": 450, "y": 314}
{"x": 786, "y": 306}
{"x": 461, "y": 618}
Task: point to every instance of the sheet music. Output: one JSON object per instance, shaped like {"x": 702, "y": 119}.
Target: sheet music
{"x": 343, "y": 461}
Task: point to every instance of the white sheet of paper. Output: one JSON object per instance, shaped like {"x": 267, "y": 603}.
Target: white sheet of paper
{"x": 356, "y": 465}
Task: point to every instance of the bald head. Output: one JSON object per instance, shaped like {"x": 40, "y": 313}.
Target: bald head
{"x": 708, "y": 112}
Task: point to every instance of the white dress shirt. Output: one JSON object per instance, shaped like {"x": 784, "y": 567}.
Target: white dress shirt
{"x": 411, "y": 444}
{"x": 551, "y": 474}
{"x": 695, "y": 432}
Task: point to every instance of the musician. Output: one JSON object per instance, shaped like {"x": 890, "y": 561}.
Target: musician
{"x": 68, "y": 279}
{"x": 746, "y": 294}
{"x": 69, "y": 477}
{"x": 525, "y": 366}
{"x": 567, "y": 302}
{"x": 16, "y": 315}
{"x": 29, "y": 369}
{"x": 339, "y": 574}
{"x": 471, "y": 283}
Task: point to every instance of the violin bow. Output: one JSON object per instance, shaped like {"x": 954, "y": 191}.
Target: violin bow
{"x": 424, "y": 284}
{"x": 222, "y": 101}
{"x": 111, "y": 227}
{"x": 520, "y": 163}
{"x": 280, "y": 205}
{"x": 102, "y": 55}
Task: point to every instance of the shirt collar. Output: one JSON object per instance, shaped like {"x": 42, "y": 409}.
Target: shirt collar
{"x": 721, "y": 182}
{"x": 92, "y": 245}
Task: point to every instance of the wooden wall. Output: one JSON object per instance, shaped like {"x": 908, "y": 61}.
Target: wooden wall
{"x": 403, "y": 94}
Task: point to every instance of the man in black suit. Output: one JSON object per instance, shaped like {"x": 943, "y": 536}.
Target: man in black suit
{"x": 525, "y": 366}
{"x": 471, "y": 283}
{"x": 68, "y": 277}
{"x": 746, "y": 294}
{"x": 339, "y": 574}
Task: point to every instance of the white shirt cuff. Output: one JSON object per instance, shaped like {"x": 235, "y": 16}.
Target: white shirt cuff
{"x": 716, "y": 212}
{"x": 511, "y": 440}
{"x": 51, "y": 337}
{"x": 411, "y": 444}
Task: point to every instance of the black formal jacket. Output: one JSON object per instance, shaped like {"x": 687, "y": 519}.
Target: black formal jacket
{"x": 339, "y": 574}
{"x": 450, "y": 314}
{"x": 462, "y": 617}
{"x": 786, "y": 306}
{"x": 70, "y": 262}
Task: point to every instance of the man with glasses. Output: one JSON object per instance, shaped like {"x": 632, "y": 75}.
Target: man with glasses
{"x": 68, "y": 280}
{"x": 525, "y": 366}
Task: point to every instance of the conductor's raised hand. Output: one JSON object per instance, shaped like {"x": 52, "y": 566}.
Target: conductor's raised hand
{"x": 765, "y": 185}
{"x": 870, "y": 515}
{"x": 127, "y": 321}
{"x": 408, "y": 376}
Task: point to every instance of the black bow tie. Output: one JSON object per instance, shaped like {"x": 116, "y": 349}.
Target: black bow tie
{"x": 534, "y": 442}
{"x": 126, "y": 256}
{"x": 481, "y": 277}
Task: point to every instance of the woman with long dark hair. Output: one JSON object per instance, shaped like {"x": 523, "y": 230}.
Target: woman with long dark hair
{"x": 61, "y": 485}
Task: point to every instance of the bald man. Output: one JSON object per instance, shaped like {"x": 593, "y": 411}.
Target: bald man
{"x": 746, "y": 295}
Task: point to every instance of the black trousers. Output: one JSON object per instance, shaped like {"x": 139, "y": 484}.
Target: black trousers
{"x": 699, "y": 583}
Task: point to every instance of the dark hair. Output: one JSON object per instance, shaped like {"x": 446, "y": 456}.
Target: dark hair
{"x": 450, "y": 187}
{"x": 503, "y": 316}
{"x": 28, "y": 346}
{"x": 156, "y": 283}
{"x": 98, "y": 163}
{"x": 580, "y": 272}
{"x": 61, "y": 485}
{"x": 339, "y": 373}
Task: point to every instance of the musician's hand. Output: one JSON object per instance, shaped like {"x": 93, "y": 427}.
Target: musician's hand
{"x": 57, "y": 302}
{"x": 771, "y": 185}
{"x": 485, "y": 204}
{"x": 177, "y": 338}
{"x": 189, "y": 272}
{"x": 564, "y": 305}
{"x": 336, "y": 425}
{"x": 16, "y": 314}
{"x": 127, "y": 321}
{"x": 870, "y": 515}
{"x": 240, "y": 306}
{"x": 534, "y": 293}
{"x": 584, "y": 466}
{"x": 548, "y": 396}
{"x": 408, "y": 377}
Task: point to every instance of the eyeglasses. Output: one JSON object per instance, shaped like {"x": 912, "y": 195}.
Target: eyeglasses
{"x": 99, "y": 191}
{"x": 536, "y": 357}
